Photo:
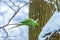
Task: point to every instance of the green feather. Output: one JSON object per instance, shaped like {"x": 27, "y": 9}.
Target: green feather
{"x": 30, "y": 22}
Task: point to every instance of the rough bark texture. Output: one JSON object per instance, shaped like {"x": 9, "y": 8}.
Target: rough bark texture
{"x": 41, "y": 10}
{"x": 55, "y": 36}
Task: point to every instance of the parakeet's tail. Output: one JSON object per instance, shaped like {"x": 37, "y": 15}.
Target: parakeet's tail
{"x": 15, "y": 26}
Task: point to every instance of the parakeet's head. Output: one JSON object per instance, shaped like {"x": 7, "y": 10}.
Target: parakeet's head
{"x": 34, "y": 24}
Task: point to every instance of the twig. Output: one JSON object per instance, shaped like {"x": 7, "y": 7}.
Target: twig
{"x": 5, "y": 32}
{"x": 16, "y": 12}
{"x": 9, "y": 6}
{"x": 13, "y": 3}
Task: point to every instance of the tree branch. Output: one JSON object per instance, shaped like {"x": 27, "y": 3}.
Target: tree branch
{"x": 13, "y": 3}
{"x": 9, "y": 6}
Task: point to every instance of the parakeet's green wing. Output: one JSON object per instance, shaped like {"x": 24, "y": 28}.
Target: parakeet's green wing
{"x": 26, "y": 21}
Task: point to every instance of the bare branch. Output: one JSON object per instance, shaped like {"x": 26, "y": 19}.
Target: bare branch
{"x": 9, "y": 6}
{"x": 13, "y": 3}
{"x": 24, "y": 3}
{"x": 16, "y": 12}
{"x": 5, "y": 32}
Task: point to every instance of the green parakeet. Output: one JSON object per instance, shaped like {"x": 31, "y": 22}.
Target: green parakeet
{"x": 29, "y": 22}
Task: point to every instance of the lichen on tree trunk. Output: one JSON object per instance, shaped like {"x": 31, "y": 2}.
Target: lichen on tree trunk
{"x": 39, "y": 9}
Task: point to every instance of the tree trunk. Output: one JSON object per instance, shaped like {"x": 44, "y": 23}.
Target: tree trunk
{"x": 39, "y": 9}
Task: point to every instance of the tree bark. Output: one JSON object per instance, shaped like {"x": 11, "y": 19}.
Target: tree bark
{"x": 39, "y": 9}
